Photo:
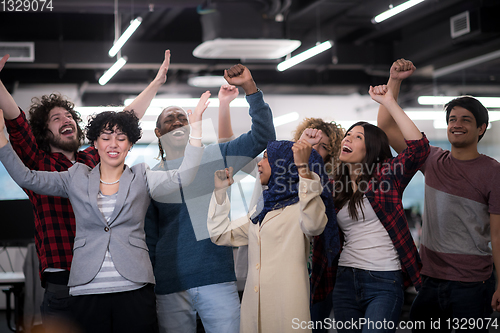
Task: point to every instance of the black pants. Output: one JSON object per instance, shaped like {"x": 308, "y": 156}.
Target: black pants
{"x": 130, "y": 311}
{"x": 56, "y": 307}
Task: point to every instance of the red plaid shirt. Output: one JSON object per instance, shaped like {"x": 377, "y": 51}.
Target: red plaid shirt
{"x": 54, "y": 218}
{"x": 393, "y": 177}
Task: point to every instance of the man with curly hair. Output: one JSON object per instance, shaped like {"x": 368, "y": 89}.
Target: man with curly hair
{"x": 50, "y": 142}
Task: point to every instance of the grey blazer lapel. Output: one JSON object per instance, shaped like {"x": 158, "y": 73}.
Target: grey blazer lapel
{"x": 94, "y": 182}
{"x": 123, "y": 189}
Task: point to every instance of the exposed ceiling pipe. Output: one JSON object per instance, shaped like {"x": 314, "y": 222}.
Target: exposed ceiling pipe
{"x": 286, "y": 5}
{"x": 274, "y": 9}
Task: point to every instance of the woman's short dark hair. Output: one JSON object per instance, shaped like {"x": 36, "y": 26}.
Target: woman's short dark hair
{"x": 473, "y": 106}
{"x": 126, "y": 121}
{"x": 377, "y": 151}
{"x": 39, "y": 116}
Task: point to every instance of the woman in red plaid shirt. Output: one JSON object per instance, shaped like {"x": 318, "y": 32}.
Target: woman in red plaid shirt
{"x": 378, "y": 258}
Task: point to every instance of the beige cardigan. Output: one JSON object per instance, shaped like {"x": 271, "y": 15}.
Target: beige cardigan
{"x": 276, "y": 296}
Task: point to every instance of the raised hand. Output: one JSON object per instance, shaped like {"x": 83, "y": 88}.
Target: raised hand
{"x": 401, "y": 69}
{"x": 195, "y": 119}
{"x": 142, "y": 102}
{"x": 3, "y": 138}
{"x": 3, "y": 61}
{"x": 311, "y": 135}
{"x": 301, "y": 152}
{"x": 227, "y": 93}
{"x": 239, "y": 75}
{"x": 196, "y": 115}
{"x": 381, "y": 94}
{"x": 223, "y": 178}
{"x": 161, "y": 77}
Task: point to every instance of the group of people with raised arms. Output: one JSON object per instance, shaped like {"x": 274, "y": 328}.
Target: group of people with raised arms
{"x": 134, "y": 249}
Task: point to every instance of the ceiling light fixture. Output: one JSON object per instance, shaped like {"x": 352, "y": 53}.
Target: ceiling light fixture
{"x": 125, "y": 36}
{"x": 466, "y": 64}
{"x": 489, "y": 102}
{"x": 189, "y": 102}
{"x": 304, "y": 55}
{"x": 442, "y": 124}
{"x": 112, "y": 70}
{"x": 207, "y": 81}
{"x": 285, "y": 119}
{"x": 395, "y": 10}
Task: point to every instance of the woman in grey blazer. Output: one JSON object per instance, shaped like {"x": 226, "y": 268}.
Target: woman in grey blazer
{"x": 111, "y": 273}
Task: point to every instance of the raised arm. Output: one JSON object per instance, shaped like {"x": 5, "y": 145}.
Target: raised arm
{"x": 7, "y": 103}
{"x": 400, "y": 70}
{"x": 222, "y": 230}
{"x": 312, "y": 209}
{"x": 3, "y": 138}
{"x": 240, "y": 76}
{"x": 247, "y": 146}
{"x": 383, "y": 95}
{"x": 142, "y": 102}
{"x": 163, "y": 183}
{"x": 195, "y": 118}
{"x": 227, "y": 94}
{"x": 41, "y": 182}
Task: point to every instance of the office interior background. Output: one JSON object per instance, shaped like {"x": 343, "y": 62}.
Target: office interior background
{"x": 62, "y": 46}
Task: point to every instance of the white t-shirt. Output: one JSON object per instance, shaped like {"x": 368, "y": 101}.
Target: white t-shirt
{"x": 367, "y": 244}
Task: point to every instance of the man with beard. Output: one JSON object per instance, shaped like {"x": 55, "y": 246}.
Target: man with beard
{"x": 50, "y": 142}
{"x": 461, "y": 217}
{"x": 193, "y": 275}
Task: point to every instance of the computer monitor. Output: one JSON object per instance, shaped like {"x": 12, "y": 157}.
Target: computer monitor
{"x": 17, "y": 227}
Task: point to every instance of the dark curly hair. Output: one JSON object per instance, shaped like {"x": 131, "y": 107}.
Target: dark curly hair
{"x": 331, "y": 129}
{"x": 39, "y": 116}
{"x": 126, "y": 121}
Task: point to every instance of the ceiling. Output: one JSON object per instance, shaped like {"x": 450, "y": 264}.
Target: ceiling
{"x": 72, "y": 41}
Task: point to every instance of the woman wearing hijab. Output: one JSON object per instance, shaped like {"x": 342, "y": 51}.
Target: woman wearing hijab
{"x": 295, "y": 207}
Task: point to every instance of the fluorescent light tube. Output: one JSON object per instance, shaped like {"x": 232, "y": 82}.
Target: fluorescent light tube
{"x": 190, "y": 102}
{"x": 466, "y": 63}
{"x": 125, "y": 36}
{"x": 285, "y": 119}
{"x": 112, "y": 70}
{"x": 207, "y": 81}
{"x": 304, "y": 55}
{"x": 395, "y": 10}
{"x": 489, "y": 102}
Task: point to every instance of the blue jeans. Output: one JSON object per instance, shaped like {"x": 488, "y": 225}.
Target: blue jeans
{"x": 370, "y": 297}
{"x": 218, "y": 306}
{"x": 450, "y": 302}
{"x": 320, "y": 311}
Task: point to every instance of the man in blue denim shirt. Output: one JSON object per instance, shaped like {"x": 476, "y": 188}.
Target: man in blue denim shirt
{"x": 193, "y": 275}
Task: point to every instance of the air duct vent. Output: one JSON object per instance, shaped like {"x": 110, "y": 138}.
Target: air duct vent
{"x": 460, "y": 24}
{"x": 240, "y": 30}
{"x": 18, "y": 51}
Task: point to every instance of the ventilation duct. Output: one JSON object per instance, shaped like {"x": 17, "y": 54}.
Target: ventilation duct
{"x": 240, "y": 31}
{"x": 460, "y": 24}
{"x": 476, "y": 24}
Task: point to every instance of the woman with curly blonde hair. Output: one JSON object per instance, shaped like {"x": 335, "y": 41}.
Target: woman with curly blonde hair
{"x": 329, "y": 145}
